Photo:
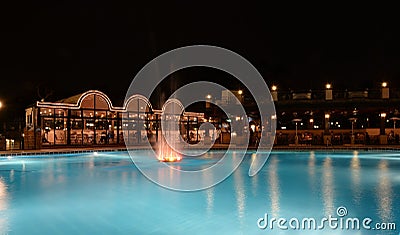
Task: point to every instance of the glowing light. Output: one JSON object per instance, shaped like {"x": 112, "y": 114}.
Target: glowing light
{"x": 311, "y": 120}
{"x": 384, "y": 84}
{"x": 240, "y": 92}
{"x": 383, "y": 115}
{"x": 253, "y": 127}
{"x": 208, "y": 96}
{"x": 167, "y": 154}
{"x": 327, "y": 116}
{"x": 328, "y": 86}
{"x": 274, "y": 88}
{"x": 95, "y": 153}
{"x": 1, "y": 104}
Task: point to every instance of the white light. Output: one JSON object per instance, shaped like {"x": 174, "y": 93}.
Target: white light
{"x": 240, "y": 92}
{"x": 383, "y": 115}
{"x": 95, "y": 153}
{"x": 311, "y": 120}
{"x": 208, "y": 96}
{"x": 283, "y": 128}
{"x": 274, "y": 88}
{"x": 328, "y": 86}
{"x": 327, "y": 116}
{"x": 338, "y": 126}
{"x": 9, "y": 157}
{"x": 384, "y": 84}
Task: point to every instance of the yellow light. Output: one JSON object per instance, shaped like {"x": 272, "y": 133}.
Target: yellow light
{"x": 327, "y": 116}
{"x": 311, "y": 120}
{"x": 328, "y": 86}
{"x": 240, "y": 92}
{"x": 208, "y": 96}
{"x": 384, "y": 84}
{"x": 1, "y": 104}
{"x": 383, "y": 115}
{"x": 274, "y": 88}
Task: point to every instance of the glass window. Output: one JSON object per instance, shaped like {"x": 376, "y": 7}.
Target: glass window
{"x": 48, "y": 131}
{"x": 101, "y": 103}
{"x": 60, "y": 113}
{"x": 88, "y": 113}
{"x": 76, "y": 113}
{"x": 76, "y": 131}
{"x": 88, "y": 102}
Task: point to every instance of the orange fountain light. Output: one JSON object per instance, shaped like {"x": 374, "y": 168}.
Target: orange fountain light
{"x": 167, "y": 154}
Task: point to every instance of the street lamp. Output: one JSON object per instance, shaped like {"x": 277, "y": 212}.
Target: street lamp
{"x": 274, "y": 93}
{"x": 208, "y": 101}
{"x": 353, "y": 120}
{"x": 328, "y": 86}
{"x": 328, "y": 92}
{"x": 394, "y": 119}
{"x": 385, "y": 90}
{"x": 296, "y": 138}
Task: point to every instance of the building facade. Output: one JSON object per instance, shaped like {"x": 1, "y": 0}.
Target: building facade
{"x": 91, "y": 119}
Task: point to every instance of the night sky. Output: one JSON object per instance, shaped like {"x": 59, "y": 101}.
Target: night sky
{"x": 61, "y": 48}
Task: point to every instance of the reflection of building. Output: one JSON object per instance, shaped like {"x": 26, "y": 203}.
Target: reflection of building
{"x": 91, "y": 119}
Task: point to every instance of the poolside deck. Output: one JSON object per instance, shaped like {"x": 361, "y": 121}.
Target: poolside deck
{"x": 215, "y": 147}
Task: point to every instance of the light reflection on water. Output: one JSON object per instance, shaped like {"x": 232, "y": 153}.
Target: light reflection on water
{"x": 311, "y": 172}
{"x": 114, "y": 191}
{"x": 356, "y": 177}
{"x": 3, "y": 207}
{"x": 328, "y": 190}
{"x": 273, "y": 182}
{"x": 384, "y": 192}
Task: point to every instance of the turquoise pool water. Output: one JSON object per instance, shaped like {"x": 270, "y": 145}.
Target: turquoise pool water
{"x": 106, "y": 194}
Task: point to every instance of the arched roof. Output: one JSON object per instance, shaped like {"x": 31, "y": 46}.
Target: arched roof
{"x": 75, "y": 102}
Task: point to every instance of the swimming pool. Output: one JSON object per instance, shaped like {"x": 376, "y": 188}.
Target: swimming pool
{"x": 106, "y": 194}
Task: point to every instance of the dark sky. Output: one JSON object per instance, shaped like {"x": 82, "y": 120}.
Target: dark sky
{"x": 69, "y": 47}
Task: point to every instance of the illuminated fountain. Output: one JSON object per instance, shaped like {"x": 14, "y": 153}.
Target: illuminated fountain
{"x": 168, "y": 147}
{"x": 166, "y": 154}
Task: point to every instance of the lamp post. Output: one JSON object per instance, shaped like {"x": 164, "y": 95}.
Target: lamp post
{"x": 240, "y": 93}
{"x": 327, "y": 136}
{"x": 274, "y": 93}
{"x": 328, "y": 91}
{"x": 385, "y": 90}
{"x": 208, "y": 102}
{"x": 296, "y": 138}
{"x": 353, "y": 120}
{"x": 394, "y": 119}
{"x": 383, "y": 137}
